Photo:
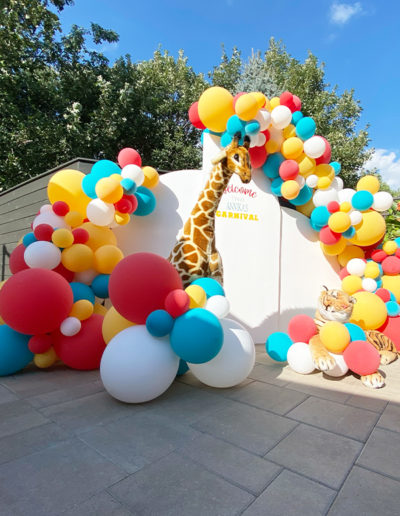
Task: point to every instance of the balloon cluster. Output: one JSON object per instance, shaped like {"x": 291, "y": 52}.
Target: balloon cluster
{"x": 156, "y": 327}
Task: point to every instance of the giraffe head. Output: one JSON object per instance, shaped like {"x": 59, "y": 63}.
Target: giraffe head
{"x": 236, "y": 159}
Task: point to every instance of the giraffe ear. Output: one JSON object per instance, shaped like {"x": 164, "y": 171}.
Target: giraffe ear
{"x": 235, "y": 140}
{"x": 246, "y": 143}
{"x": 219, "y": 158}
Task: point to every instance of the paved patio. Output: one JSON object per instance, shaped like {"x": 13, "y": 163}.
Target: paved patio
{"x": 280, "y": 444}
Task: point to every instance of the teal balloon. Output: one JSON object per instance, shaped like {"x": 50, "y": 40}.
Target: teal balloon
{"x": 82, "y": 291}
{"x": 100, "y": 286}
{"x": 304, "y": 196}
{"x": 336, "y": 167}
{"x": 210, "y": 286}
{"x": 159, "y": 323}
{"x": 278, "y": 345}
{"x": 102, "y": 168}
{"x": 14, "y": 351}
{"x": 271, "y": 166}
{"x": 305, "y": 128}
{"x": 320, "y": 216}
{"x": 28, "y": 239}
{"x": 356, "y": 333}
{"x": 276, "y": 186}
{"x": 226, "y": 139}
{"x": 183, "y": 368}
{"x": 146, "y": 201}
{"x": 362, "y": 200}
{"x": 235, "y": 125}
{"x": 296, "y": 117}
{"x": 349, "y": 233}
{"x": 252, "y": 127}
{"x": 197, "y": 336}
{"x": 393, "y": 308}
{"x": 129, "y": 185}
{"x": 379, "y": 283}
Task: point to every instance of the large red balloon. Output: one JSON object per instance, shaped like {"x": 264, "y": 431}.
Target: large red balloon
{"x": 194, "y": 116}
{"x": 129, "y": 156}
{"x": 391, "y": 329}
{"x": 301, "y": 328}
{"x": 140, "y": 283}
{"x": 361, "y": 357}
{"x": 17, "y": 262}
{"x": 84, "y": 350}
{"x": 35, "y": 301}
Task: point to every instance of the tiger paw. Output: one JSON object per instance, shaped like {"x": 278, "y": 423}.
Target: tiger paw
{"x": 387, "y": 357}
{"x": 374, "y": 381}
{"x": 324, "y": 362}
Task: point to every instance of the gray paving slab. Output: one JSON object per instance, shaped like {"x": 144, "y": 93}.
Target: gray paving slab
{"x": 335, "y": 417}
{"x": 390, "y": 418}
{"x": 101, "y": 504}
{"x": 234, "y": 464}
{"x": 268, "y": 397}
{"x": 382, "y": 453}
{"x": 177, "y": 486}
{"x": 317, "y": 454}
{"x": 267, "y": 373}
{"x": 247, "y": 427}
{"x": 68, "y": 394}
{"x": 318, "y": 391}
{"x": 367, "y": 493}
{"x": 52, "y": 480}
{"x": 365, "y": 402}
{"x": 290, "y": 495}
{"x": 134, "y": 441}
{"x": 17, "y": 416}
{"x": 6, "y": 395}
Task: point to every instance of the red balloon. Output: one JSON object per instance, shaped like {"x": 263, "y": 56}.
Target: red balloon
{"x": 258, "y": 156}
{"x": 84, "y": 350}
{"x": 140, "y": 283}
{"x": 361, "y": 357}
{"x": 302, "y": 328}
{"x": 391, "y": 265}
{"x": 391, "y": 329}
{"x": 289, "y": 169}
{"x": 129, "y": 156}
{"x": 177, "y": 303}
{"x": 370, "y": 248}
{"x": 383, "y": 293}
{"x": 397, "y": 253}
{"x": 343, "y": 273}
{"x": 329, "y": 237}
{"x": 40, "y": 343}
{"x": 35, "y": 301}
{"x": 333, "y": 206}
{"x": 60, "y": 208}
{"x": 326, "y": 156}
{"x": 267, "y": 134}
{"x": 43, "y": 232}
{"x": 378, "y": 255}
{"x": 81, "y": 236}
{"x": 65, "y": 273}
{"x": 286, "y": 99}
{"x": 297, "y": 103}
{"x": 194, "y": 116}
{"x": 17, "y": 262}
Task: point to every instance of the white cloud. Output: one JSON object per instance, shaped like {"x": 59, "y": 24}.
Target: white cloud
{"x": 388, "y": 165}
{"x": 341, "y": 13}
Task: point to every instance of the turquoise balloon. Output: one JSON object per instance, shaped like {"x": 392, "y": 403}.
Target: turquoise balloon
{"x": 226, "y": 139}
{"x": 277, "y": 346}
{"x": 252, "y": 127}
{"x": 336, "y": 167}
{"x": 379, "y": 283}
{"x": 296, "y": 117}
{"x": 146, "y": 201}
{"x": 305, "y": 128}
{"x": 100, "y": 285}
{"x": 320, "y": 216}
{"x": 304, "y": 196}
{"x": 362, "y": 200}
{"x": 102, "y": 168}
{"x": 393, "y": 308}
{"x": 183, "y": 368}
{"x": 271, "y": 166}
{"x": 14, "y": 351}
{"x": 235, "y": 125}
{"x": 276, "y": 186}
{"x": 82, "y": 291}
{"x": 210, "y": 286}
{"x": 349, "y": 233}
{"x": 28, "y": 239}
{"x": 159, "y": 323}
{"x": 197, "y": 336}
{"x": 128, "y": 185}
{"x": 356, "y": 333}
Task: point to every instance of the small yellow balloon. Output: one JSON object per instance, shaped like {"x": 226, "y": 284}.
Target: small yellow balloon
{"x": 197, "y": 295}
{"x": 345, "y": 207}
{"x": 246, "y": 107}
{"x": 99, "y": 309}
{"x": 370, "y": 230}
{"x": 292, "y": 148}
{"x": 44, "y": 360}
{"x": 260, "y": 98}
{"x": 372, "y": 270}
{"x": 274, "y": 102}
{"x": 77, "y": 258}
{"x": 106, "y": 258}
{"x": 73, "y": 219}
{"x": 289, "y": 132}
{"x": 215, "y": 108}
{"x": 99, "y": 236}
{"x": 113, "y": 323}
{"x": 82, "y": 309}
{"x": 122, "y": 218}
{"x": 109, "y": 189}
{"x": 62, "y": 237}
{"x": 339, "y": 222}
{"x": 335, "y": 336}
{"x": 351, "y": 284}
{"x": 392, "y": 283}
{"x": 66, "y": 185}
{"x": 369, "y": 183}
{"x": 272, "y": 146}
{"x": 151, "y": 177}
{"x": 323, "y": 182}
{"x": 351, "y": 251}
{"x": 390, "y": 247}
{"x": 306, "y": 165}
{"x": 335, "y": 249}
{"x": 290, "y": 189}
{"x": 369, "y": 311}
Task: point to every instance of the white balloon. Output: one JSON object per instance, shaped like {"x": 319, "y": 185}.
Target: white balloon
{"x": 312, "y": 181}
{"x": 337, "y": 183}
{"x": 137, "y": 367}
{"x": 356, "y": 217}
{"x": 100, "y": 213}
{"x": 300, "y": 181}
{"x": 42, "y": 254}
{"x": 253, "y": 140}
{"x": 346, "y": 195}
{"x": 70, "y": 326}
{"x": 322, "y": 197}
{"x": 233, "y": 363}
{"x": 356, "y": 266}
{"x": 218, "y": 305}
{"x": 281, "y": 117}
{"x": 49, "y": 217}
{"x": 86, "y": 277}
{"x": 340, "y": 368}
{"x": 133, "y": 172}
{"x": 299, "y": 358}
{"x": 382, "y": 201}
{"x": 314, "y": 147}
{"x": 276, "y": 135}
{"x": 46, "y": 207}
{"x": 263, "y": 117}
{"x": 369, "y": 284}
{"x": 261, "y": 139}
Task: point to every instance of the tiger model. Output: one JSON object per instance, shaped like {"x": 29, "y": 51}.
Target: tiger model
{"x": 336, "y": 305}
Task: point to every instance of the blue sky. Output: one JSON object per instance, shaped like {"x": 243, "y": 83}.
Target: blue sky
{"x": 357, "y": 41}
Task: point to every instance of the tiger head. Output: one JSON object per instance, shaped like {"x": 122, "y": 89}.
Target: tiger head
{"x": 335, "y": 305}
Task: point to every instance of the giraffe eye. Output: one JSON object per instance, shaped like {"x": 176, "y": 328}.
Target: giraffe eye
{"x": 236, "y": 157}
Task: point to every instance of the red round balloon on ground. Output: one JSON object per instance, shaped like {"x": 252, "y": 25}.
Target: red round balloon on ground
{"x": 289, "y": 169}
{"x": 43, "y": 232}
{"x": 17, "y": 262}
{"x": 391, "y": 329}
{"x": 129, "y": 156}
{"x": 194, "y": 116}
{"x": 258, "y": 155}
{"x": 40, "y": 343}
{"x": 383, "y": 293}
{"x": 361, "y": 357}
{"x": 84, "y": 350}
{"x": 326, "y": 156}
{"x": 177, "y": 303}
{"x": 140, "y": 283}
{"x": 35, "y": 301}
{"x": 391, "y": 265}
{"x": 329, "y": 237}
{"x": 301, "y": 328}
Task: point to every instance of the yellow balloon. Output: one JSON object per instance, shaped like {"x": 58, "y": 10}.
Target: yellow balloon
{"x": 151, "y": 177}
{"x": 106, "y": 258}
{"x": 335, "y": 336}
{"x": 275, "y": 101}
{"x": 82, "y": 309}
{"x": 198, "y": 296}
{"x": 267, "y": 105}
{"x": 66, "y": 185}
{"x": 113, "y": 323}
{"x": 215, "y": 108}
{"x": 99, "y": 236}
{"x": 73, "y": 219}
{"x": 372, "y": 270}
{"x": 122, "y": 218}
{"x": 272, "y": 146}
{"x": 335, "y": 249}
{"x": 44, "y": 360}
{"x": 307, "y": 208}
{"x": 323, "y": 182}
{"x": 290, "y": 189}
{"x": 369, "y": 311}
{"x": 260, "y": 98}
{"x": 246, "y": 107}
{"x": 324, "y": 170}
{"x": 292, "y": 148}
{"x": 392, "y": 283}
{"x": 62, "y": 237}
{"x": 306, "y": 165}
{"x": 370, "y": 230}
{"x": 99, "y": 309}
{"x": 351, "y": 251}
{"x": 77, "y": 258}
{"x": 369, "y": 183}
{"x": 345, "y": 207}
{"x": 109, "y": 190}
{"x": 289, "y": 132}
{"x": 390, "y": 247}
{"x": 351, "y": 284}
{"x": 339, "y": 222}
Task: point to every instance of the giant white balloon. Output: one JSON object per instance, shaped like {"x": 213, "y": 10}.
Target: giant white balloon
{"x": 42, "y": 254}
{"x": 233, "y": 363}
{"x": 340, "y": 368}
{"x": 137, "y": 367}
{"x": 299, "y": 358}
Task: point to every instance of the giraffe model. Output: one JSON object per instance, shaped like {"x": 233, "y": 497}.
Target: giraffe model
{"x": 195, "y": 254}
